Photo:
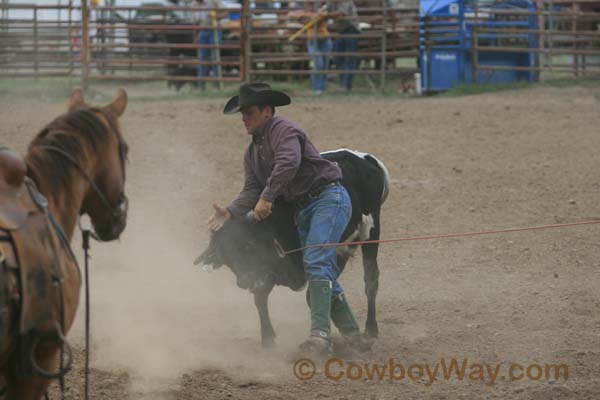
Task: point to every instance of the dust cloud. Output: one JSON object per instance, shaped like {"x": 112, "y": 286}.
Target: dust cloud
{"x": 154, "y": 313}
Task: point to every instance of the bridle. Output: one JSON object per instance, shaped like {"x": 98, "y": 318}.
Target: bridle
{"x": 123, "y": 203}
{"x": 121, "y": 207}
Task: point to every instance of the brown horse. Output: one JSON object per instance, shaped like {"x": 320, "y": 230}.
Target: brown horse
{"x": 77, "y": 163}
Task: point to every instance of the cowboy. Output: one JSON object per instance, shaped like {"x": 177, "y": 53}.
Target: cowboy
{"x": 319, "y": 44}
{"x": 207, "y": 55}
{"x": 346, "y": 24}
{"x": 281, "y": 162}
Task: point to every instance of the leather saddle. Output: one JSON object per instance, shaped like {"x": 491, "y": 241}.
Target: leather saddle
{"x": 31, "y": 245}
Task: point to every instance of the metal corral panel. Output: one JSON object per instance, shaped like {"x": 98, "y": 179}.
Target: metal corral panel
{"x": 446, "y": 31}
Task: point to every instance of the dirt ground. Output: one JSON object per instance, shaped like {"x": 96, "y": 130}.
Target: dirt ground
{"x": 164, "y": 329}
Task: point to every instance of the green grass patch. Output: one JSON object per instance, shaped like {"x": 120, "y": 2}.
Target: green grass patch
{"x": 47, "y": 89}
{"x": 54, "y": 90}
{"x": 58, "y": 90}
{"x": 466, "y": 89}
{"x": 562, "y": 82}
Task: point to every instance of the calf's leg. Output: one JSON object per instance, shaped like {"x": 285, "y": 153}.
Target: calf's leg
{"x": 371, "y": 278}
{"x": 267, "y": 333}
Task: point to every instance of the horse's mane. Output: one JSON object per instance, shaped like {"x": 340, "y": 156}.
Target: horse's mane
{"x": 76, "y": 132}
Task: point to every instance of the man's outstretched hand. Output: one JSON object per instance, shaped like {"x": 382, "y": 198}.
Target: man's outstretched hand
{"x": 219, "y": 217}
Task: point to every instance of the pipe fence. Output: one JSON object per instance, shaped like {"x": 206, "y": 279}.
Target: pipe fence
{"x": 196, "y": 45}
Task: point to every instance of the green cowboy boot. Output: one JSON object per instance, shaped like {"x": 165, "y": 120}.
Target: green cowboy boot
{"x": 319, "y": 342}
{"x": 344, "y": 320}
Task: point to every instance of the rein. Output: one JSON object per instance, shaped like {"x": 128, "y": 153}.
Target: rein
{"x": 64, "y": 344}
{"x": 86, "y": 234}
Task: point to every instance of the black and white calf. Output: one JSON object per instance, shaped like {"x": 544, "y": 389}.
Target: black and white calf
{"x": 248, "y": 249}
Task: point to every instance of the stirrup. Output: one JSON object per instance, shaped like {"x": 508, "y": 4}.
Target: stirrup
{"x": 67, "y": 349}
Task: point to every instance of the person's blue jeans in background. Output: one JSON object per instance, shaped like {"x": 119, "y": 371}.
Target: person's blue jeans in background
{"x": 208, "y": 37}
{"x": 318, "y": 82}
{"x": 343, "y": 62}
{"x": 323, "y": 221}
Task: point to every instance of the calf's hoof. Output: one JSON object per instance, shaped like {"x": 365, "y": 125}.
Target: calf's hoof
{"x": 268, "y": 343}
{"x": 361, "y": 343}
{"x": 371, "y": 331}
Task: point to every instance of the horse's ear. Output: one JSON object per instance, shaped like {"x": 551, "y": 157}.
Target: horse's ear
{"x": 76, "y": 99}
{"x": 119, "y": 104}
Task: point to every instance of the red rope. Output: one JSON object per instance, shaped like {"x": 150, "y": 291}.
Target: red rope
{"x": 282, "y": 252}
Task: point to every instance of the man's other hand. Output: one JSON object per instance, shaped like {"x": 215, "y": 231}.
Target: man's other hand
{"x": 263, "y": 209}
{"x": 220, "y": 216}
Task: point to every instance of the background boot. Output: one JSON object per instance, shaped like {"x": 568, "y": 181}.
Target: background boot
{"x": 319, "y": 342}
{"x": 344, "y": 320}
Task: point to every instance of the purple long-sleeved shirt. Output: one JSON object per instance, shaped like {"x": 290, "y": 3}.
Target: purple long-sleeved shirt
{"x": 281, "y": 161}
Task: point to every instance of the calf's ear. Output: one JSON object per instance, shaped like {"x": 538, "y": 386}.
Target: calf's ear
{"x": 209, "y": 257}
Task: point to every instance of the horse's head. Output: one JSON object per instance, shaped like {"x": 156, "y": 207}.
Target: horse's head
{"x": 105, "y": 201}
{"x": 78, "y": 163}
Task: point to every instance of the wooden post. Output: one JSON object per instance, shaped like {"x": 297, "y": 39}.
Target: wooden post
{"x": 549, "y": 60}
{"x": 541, "y": 38}
{"x": 70, "y": 53}
{"x": 85, "y": 41}
{"x": 245, "y": 42}
{"x": 101, "y": 33}
{"x": 113, "y": 32}
{"x": 383, "y": 44}
{"x": 215, "y": 24}
{"x": 130, "y": 53}
{"x": 575, "y": 10}
{"x": 474, "y": 44}
{"x": 35, "y": 42}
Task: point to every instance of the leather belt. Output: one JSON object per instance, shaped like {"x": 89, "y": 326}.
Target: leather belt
{"x": 306, "y": 199}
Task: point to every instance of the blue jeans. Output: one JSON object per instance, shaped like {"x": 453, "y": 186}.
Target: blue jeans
{"x": 348, "y": 63}
{"x": 323, "y": 221}
{"x": 208, "y": 37}
{"x": 320, "y": 62}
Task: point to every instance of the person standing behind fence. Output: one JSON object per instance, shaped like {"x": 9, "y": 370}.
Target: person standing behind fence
{"x": 319, "y": 45}
{"x": 210, "y": 34}
{"x": 345, "y": 19}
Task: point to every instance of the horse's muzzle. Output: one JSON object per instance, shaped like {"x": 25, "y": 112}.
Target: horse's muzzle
{"x": 117, "y": 224}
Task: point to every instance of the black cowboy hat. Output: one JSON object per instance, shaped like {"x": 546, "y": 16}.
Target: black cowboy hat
{"x": 253, "y": 94}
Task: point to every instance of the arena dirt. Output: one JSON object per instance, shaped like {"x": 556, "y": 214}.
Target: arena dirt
{"x": 164, "y": 329}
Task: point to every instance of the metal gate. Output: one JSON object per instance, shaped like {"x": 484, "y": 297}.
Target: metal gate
{"x": 116, "y": 43}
